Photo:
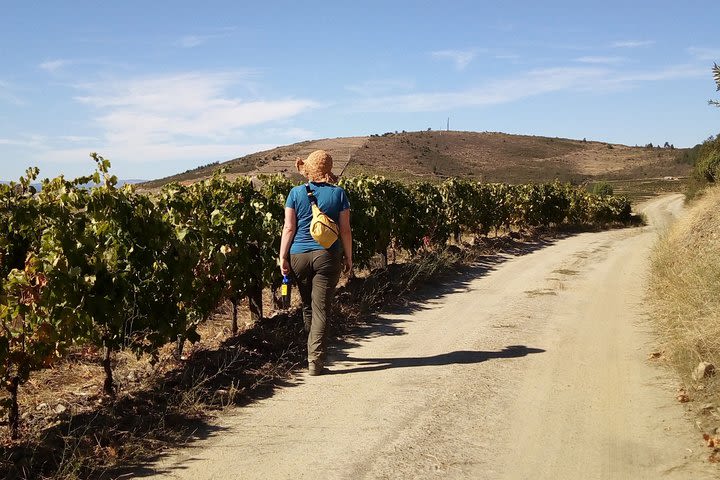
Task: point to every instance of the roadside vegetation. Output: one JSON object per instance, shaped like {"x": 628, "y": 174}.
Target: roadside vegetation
{"x": 685, "y": 290}
{"x": 705, "y": 159}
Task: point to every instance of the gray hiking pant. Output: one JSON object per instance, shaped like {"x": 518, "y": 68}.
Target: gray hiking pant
{"x": 316, "y": 275}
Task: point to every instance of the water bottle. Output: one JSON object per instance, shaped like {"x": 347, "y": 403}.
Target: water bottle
{"x": 285, "y": 293}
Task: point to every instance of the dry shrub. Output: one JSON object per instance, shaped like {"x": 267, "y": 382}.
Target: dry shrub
{"x": 685, "y": 287}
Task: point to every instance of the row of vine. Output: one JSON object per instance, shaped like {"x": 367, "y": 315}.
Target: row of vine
{"x": 84, "y": 261}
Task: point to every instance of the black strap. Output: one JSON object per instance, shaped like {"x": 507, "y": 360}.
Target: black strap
{"x": 310, "y": 194}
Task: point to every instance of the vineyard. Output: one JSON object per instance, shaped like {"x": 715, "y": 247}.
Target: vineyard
{"x": 113, "y": 269}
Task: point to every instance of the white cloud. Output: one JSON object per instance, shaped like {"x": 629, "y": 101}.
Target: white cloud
{"x": 461, "y": 58}
{"x": 599, "y": 60}
{"x": 371, "y": 88}
{"x": 192, "y": 41}
{"x": 157, "y": 125}
{"x": 495, "y": 92}
{"x": 7, "y": 94}
{"x": 180, "y": 107}
{"x": 185, "y": 118}
{"x": 78, "y": 139}
{"x": 668, "y": 73}
{"x": 53, "y": 66}
{"x": 289, "y": 133}
{"x": 633, "y": 43}
{"x": 138, "y": 155}
{"x": 27, "y": 141}
{"x": 533, "y": 83}
{"x": 507, "y": 56}
{"x": 705, "y": 54}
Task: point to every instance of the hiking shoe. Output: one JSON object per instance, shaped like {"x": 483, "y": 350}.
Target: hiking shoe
{"x": 316, "y": 368}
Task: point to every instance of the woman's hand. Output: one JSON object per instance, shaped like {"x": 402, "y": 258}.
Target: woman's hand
{"x": 347, "y": 264}
{"x": 285, "y": 266}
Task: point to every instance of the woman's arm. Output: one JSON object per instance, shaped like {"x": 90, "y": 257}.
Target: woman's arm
{"x": 346, "y": 238}
{"x": 288, "y": 233}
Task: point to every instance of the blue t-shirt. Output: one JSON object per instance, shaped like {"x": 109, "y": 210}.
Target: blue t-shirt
{"x": 331, "y": 199}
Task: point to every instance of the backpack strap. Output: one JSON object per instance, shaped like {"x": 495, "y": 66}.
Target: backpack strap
{"x": 310, "y": 194}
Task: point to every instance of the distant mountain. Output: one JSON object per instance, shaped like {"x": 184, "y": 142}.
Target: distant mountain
{"x": 130, "y": 182}
{"x": 36, "y": 185}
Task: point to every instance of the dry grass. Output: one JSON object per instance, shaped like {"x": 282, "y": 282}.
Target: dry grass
{"x": 686, "y": 285}
{"x": 685, "y": 293}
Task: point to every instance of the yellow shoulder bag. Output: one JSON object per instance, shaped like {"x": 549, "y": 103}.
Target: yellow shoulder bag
{"x": 322, "y": 228}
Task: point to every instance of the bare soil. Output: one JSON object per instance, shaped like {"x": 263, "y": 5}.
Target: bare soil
{"x": 532, "y": 366}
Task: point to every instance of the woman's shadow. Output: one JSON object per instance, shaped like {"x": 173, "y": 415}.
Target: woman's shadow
{"x": 457, "y": 357}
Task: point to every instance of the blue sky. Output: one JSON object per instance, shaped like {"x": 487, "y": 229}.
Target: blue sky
{"x": 159, "y": 87}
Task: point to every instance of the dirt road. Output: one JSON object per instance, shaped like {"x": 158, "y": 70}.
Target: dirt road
{"x": 533, "y": 368}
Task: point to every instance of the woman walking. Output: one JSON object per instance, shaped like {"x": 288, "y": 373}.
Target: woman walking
{"x": 314, "y": 268}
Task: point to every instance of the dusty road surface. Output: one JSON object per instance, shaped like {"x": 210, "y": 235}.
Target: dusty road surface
{"x": 534, "y": 367}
